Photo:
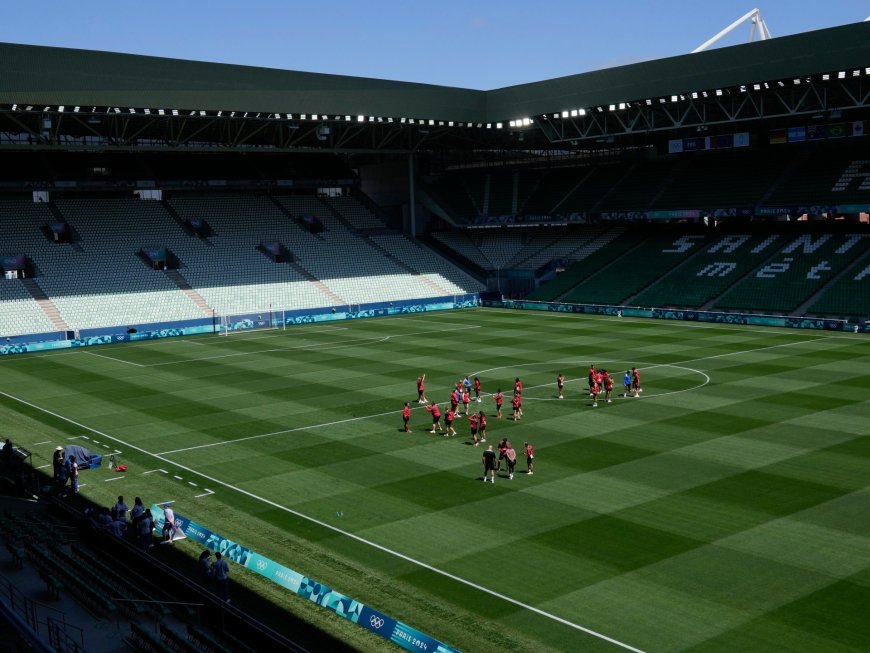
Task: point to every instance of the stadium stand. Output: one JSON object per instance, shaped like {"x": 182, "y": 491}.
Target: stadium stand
{"x": 847, "y": 296}
{"x": 799, "y": 270}
{"x": 710, "y": 272}
{"x": 619, "y": 280}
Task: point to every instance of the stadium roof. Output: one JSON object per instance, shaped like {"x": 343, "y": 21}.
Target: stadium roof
{"x": 58, "y": 76}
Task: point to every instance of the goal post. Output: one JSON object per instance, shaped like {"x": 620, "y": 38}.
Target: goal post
{"x": 266, "y": 320}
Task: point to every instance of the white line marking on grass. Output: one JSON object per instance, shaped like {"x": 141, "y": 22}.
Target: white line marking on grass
{"x": 44, "y": 466}
{"x": 112, "y": 358}
{"x": 80, "y": 437}
{"x": 725, "y": 326}
{"x": 151, "y": 471}
{"x": 177, "y": 477}
{"x": 337, "y": 530}
{"x": 191, "y": 483}
{"x": 357, "y": 342}
{"x": 36, "y": 444}
{"x": 109, "y": 480}
{"x": 207, "y": 493}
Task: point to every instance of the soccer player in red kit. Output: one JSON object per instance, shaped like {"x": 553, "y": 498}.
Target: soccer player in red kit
{"x": 591, "y": 377}
{"x": 635, "y": 382}
{"x": 608, "y": 387}
{"x": 560, "y": 385}
{"x": 499, "y": 400}
{"x": 481, "y": 428}
{"x": 436, "y": 416}
{"x": 473, "y": 422}
{"x": 477, "y": 389}
{"x": 421, "y": 386}
{"x": 448, "y": 422}
{"x": 593, "y": 391}
{"x": 517, "y": 405}
{"x": 530, "y": 458}
{"x": 503, "y": 446}
{"x": 518, "y": 386}
{"x": 466, "y": 398}
{"x": 454, "y": 399}
{"x": 406, "y": 416}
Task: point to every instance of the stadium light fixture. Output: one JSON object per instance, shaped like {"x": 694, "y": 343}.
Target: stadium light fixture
{"x": 695, "y": 95}
{"x": 796, "y": 81}
{"x": 573, "y": 113}
{"x": 302, "y": 117}
{"x": 432, "y": 122}
{"x": 674, "y": 98}
{"x": 489, "y": 125}
{"x": 175, "y": 112}
{"x": 704, "y": 93}
{"x": 449, "y": 122}
{"x": 245, "y": 115}
{"x": 612, "y": 107}
{"x": 15, "y": 107}
{"x": 403, "y": 120}
{"x": 76, "y": 109}
{"x": 565, "y": 114}
{"x": 841, "y": 74}
{"x": 360, "y": 118}
{"x": 147, "y": 112}
{"x": 232, "y": 114}
{"x": 581, "y": 112}
{"x": 826, "y": 77}
{"x": 867, "y": 70}
{"x": 498, "y": 125}
{"x": 622, "y": 105}
{"x": 743, "y": 88}
{"x": 527, "y": 122}
{"x": 61, "y": 108}
{"x": 648, "y": 102}
{"x": 718, "y": 92}
{"x": 555, "y": 115}
{"x": 856, "y": 73}
{"x": 756, "y": 87}
{"x": 512, "y": 123}
{"x": 202, "y": 113}
{"x": 390, "y": 120}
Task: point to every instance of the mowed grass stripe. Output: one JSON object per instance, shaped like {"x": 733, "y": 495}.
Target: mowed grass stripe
{"x": 418, "y": 493}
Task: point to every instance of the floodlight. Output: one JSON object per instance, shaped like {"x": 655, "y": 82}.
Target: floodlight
{"x": 402, "y": 120}
{"x": 61, "y": 108}
{"x": 826, "y": 77}
{"x": 527, "y": 122}
{"x": 581, "y": 112}
{"x": 489, "y": 125}
{"x": 498, "y": 125}
{"x": 390, "y": 120}
{"x": 15, "y": 107}
{"x": 695, "y": 95}
{"x": 371, "y": 118}
{"x": 449, "y": 123}
{"x": 555, "y": 115}
{"x": 360, "y": 118}
{"x": 246, "y": 115}
{"x": 76, "y": 110}
{"x": 147, "y": 112}
{"x": 512, "y": 123}
{"x": 867, "y": 70}
{"x": 674, "y": 98}
{"x": 718, "y": 92}
{"x": 856, "y": 73}
{"x": 841, "y": 74}
{"x": 564, "y": 114}
{"x": 303, "y": 116}
{"x": 612, "y": 107}
{"x": 781, "y": 84}
{"x": 743, "y": 88}
{"x": 201, "y": 113}
{"x": 756, "y": 87}
{"x": 161, "y": 112}
{"x": 704, "y": 93}
{"x": 431, "y": 122}
{"x": 648, "y": 102}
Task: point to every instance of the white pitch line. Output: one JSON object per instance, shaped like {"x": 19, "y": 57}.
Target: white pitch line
{"x": 36, "y": 444}
{"x": 207, "y": 493}
{"x": 191, "y": 483}
{"x": 151, "y": 471}
{"x": 178, "y": 478}
{"x": 44, "y": 466}
{"x": 335, "y": 529}
{"x": 724, "y": 326}
{"x": 111, "y": 358}
{"x": 117, "y": 478}
{"x": 356, "y": 342}
{"x": 80, "y": 437}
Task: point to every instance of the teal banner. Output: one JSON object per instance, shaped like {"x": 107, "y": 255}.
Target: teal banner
{"x": 397, "y": 632}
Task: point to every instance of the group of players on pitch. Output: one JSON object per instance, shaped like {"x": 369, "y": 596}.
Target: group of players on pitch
{"x": 461, "y": 398}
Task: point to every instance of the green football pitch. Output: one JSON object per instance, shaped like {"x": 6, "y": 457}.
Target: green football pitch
{"x": 726, "y": 509}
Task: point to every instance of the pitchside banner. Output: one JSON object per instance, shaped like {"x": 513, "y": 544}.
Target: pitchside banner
{"x": 402, "y": 634}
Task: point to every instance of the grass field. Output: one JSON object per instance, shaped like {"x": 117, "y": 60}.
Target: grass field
{"x": 727, "y": 509}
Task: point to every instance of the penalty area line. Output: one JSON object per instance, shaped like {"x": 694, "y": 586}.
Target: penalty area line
{"x": 335, "y": 529}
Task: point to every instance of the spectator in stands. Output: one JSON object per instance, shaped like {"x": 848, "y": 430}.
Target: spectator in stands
{"x": 57, "y": 464}
{"x": 168, "y": 523}
{"x": 220, "y": 572}
{"x": 117, "y": 528}
{"x": 146, "y": 526}
{"x": 119, "y": 511}
{"x": 74, "y": 474}
{"x": 136, "y": 514}
{"x": 205, "y": 568}
{"x": 7, "y": 452}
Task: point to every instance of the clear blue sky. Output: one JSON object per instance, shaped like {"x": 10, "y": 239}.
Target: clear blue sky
{"x": 474, "y": 44}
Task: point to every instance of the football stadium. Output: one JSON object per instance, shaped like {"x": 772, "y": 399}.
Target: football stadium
{"x": 263, "y": 334}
